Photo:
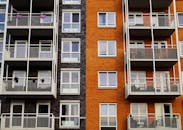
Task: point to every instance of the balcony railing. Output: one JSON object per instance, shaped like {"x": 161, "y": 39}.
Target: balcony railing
{"x": 33, "y": 51}
{"x": 27, "y": 121}
{"x": 30, "y": 19}
{"x": 144, "y": 20}
{"x": 150, "y": 86}
{"x": 25, "y": 85}
{"x": 154, "y": 122}
{"x": 146, "y": 53}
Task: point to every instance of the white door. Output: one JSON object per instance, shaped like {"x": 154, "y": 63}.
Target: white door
{"x": 19, "y": 80}
{"x": 45, "y": 49}
{"x": 138, "y": 79}
{"x": 162, "y": 81}
{"x": 139, "y": 114}
{"x": 163, "y": 112}
{"x": 43, "y": 114}
{"x": 17, "y": 111}
{"x": 139, "y": 19}
{"x": 155, "y": 20}
{"x": 44, "y": 80}
{"x": 20, "y": 49}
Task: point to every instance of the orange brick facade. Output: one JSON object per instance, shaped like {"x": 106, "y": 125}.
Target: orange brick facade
{"x": 94, "y": 95}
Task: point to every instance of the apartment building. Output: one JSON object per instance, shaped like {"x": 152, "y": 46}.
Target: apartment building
{"x": 43, "y": 64}
{"x": 135, "y": 82}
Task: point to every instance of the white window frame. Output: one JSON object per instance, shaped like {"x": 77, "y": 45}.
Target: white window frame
{"x": 71, "y": 12}
{"x": 42, "y": 103}
{"x": 178, "y": 13}
{"x": 71, "y": 2}
{"x": 136, "y": 44}
{"x": 107, "y": 87}
{"x": 15, "y": 48}
{"x": 70, "y": 71}
{"x": 70, "y": 40}
{"x": 181, "y": 45}
{"x": 42, "y": 44}
{"x": 107, "y": 51}
{"x": 107, "y": 114}
{"x": 43, "y": 85}
{"x": 106, "y": 17}
{"x": 159, "y": 45}
{"x": 70, "y": 102}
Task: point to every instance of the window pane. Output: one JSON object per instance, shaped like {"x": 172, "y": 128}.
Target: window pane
{"x": 66, "y": 47}
{"x": 75, "y": 77}
{"x": 103, "y": 110}
{"x": 65, "y": 109}
{"x": 134, "y": 108}
{"x": 102, "y": 18}
{"x": 112, "y": 79}
{"x": 67, "y": 17}
{"x": 75, "y": 17}
{"x": 74, "y": 109}
{"x": 111, "y": 18}
{"x": 180, "y": 17}
{"x": 43, "y": 108}
{"x": 75, "y": 47}
{"x": 112, "y": 121}
{"x": 103, "y": 48}
{"x": 103, "y": 121}
{"x": 112, "y": 48}
{"x": 65, "y": 77}
{"x": 103, "y": 78}
{"x": 112, "y": 110}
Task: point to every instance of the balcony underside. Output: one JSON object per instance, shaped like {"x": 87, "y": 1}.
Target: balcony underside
{"x": 154, "y": 97}
{"x": 28, "y": 96}
{"x": 23, "y": 63}
{"x": 37, "y": 4}
{"x": 156, "y": 4}
{"x": 146, "y": 32}
{"x": 146, "y": 63}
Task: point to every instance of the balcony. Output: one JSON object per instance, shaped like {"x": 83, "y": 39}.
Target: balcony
{"x": 33, "y": 52}
{"x": 154, "y": 122}
{"x": 144, "y": 57}
{"x": 149, "y": 88}
{"x": 28, "y": 86}
{"x": 24, "y": 20}
{"x": 27, "y": 121}
{"x": 140, "y": 24}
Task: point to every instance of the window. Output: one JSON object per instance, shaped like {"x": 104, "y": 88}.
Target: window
{"x": 107, "y": 79}
{"x": 106, "y": 19}
{"x": 106, "y": 48}
{"x": 71, "y": 21}
{"x": 180, "y": 19}
{"x": 181, "y": 48}
{"x": 70, "y": 115}
{"x": 70, "y": 51}
{"x": 44, "y": 80}
{"x": 70, "y": 82}
{"x": 160, "y": 44}
{"x": 138, "y": 79}
{"x": 136, "y": 44}
{"x": 46, "y": 18}
{"x": 71, "y": 2}
{"x": 108, "y": 117}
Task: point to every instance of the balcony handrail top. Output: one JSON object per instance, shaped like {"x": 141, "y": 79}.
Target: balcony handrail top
{"x": 30, "y": 13}
{"x": 150, "y": 46}
{"x": 151, "y": 78}
{"x": 153, "y": 114}
{"x": 38, "y": 45}
{"x": 27, "y": 77}
{"x": 28, "y": 114}
{"x": 149, "y": 14}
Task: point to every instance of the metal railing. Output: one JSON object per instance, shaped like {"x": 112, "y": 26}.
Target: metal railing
{"x": 39, "y": 51}
{"x": 24, "y": 85}
{"x": 146, "y": 53}
{"x": 154, "y": 122}
{"x": 144, "y": 20}
{"x": 154, "y": 86}
{"x": 30, "y": 19}
{"x": 27, "y": 120}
